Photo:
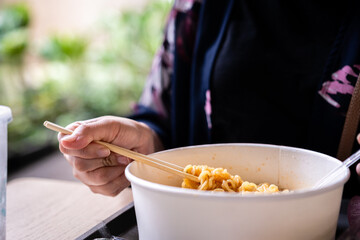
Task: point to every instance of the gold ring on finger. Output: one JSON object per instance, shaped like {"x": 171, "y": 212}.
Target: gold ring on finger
{"x": 107, "y": 161}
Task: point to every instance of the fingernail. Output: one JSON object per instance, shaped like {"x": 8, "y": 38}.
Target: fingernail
{"x": 103, "y": 152}
{"x": 123, "y": 160}
{"x": 70, "y": 138}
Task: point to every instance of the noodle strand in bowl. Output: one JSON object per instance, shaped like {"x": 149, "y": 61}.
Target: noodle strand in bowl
{"x": 218, "y": 179}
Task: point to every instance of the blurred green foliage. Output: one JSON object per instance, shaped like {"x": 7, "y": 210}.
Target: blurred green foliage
{"x": 13, "y": 45}
{"x": 62, "y": 48}
{"x": 14, "y": 21}
{"x": 14, "y": 17}
{"x": 82, "y": 76}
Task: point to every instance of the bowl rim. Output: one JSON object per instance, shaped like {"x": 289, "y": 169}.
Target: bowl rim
{"x": 306, "y": 192}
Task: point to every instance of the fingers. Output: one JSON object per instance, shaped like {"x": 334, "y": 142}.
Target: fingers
{"x": 111, "y": 188}
{"x": 88, "y": 165}
{"x": 71, "y": 127}
{"x": 93, "y": 164}
{"x": 91, "y": 151}
{"x": 85, "y": 132}
{"x": 99, "y": 176}
{"x": 106, "y": 180}
{"x": 122, "y": 132}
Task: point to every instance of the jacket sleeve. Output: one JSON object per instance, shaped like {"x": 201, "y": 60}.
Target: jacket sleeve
{"x": 154, "y": 106}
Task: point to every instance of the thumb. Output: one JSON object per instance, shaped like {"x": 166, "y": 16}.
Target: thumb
{"x": 78, "y": 139}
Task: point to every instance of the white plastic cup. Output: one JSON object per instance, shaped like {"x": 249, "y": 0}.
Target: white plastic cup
{"x": 5, "y": 118}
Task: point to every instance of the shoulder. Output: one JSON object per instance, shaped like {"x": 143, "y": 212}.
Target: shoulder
{"x": 185, "y": 5}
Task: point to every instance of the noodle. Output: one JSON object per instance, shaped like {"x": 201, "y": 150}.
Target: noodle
{"x": 218, "y": 179}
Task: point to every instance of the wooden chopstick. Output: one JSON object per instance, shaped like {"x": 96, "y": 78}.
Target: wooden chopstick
{"x": 154, "y": 162}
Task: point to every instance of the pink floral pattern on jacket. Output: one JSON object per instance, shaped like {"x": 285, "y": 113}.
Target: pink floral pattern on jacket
{"x": 339, "y": 84}
{"x": 157, "y": 89}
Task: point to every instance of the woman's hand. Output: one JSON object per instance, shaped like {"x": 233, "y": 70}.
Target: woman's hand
{"x": 93, "y": 164}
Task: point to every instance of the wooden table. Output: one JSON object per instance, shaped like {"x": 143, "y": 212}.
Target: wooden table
{"x": 39, "y": 208}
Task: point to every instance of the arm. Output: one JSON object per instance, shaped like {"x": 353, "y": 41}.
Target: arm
{"x": 144, "y": 133}
{"x": 147, "y": 131}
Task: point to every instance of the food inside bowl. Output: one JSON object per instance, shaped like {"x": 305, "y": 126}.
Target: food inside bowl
{"x": 220, "y": 180}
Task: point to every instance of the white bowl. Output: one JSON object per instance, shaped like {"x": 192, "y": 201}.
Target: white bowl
{"x": 166, "y": 211}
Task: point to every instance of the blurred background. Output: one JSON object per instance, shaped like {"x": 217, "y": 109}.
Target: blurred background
{"x": 68, "y": 60}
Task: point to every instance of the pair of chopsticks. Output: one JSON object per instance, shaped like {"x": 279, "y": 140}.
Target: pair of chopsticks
{"x": 154, "y": 162}
{"x": 332, "y": 175}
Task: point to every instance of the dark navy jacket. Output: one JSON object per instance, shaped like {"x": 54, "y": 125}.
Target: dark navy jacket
{"x": 174, "y": 102}
{"x": 174, "y": 99}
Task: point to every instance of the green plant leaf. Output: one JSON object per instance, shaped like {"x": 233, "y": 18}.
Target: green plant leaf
{"x": 63, "y": 47}
{"x": 13, "y": 44}
{"x": 13, "y": 17}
